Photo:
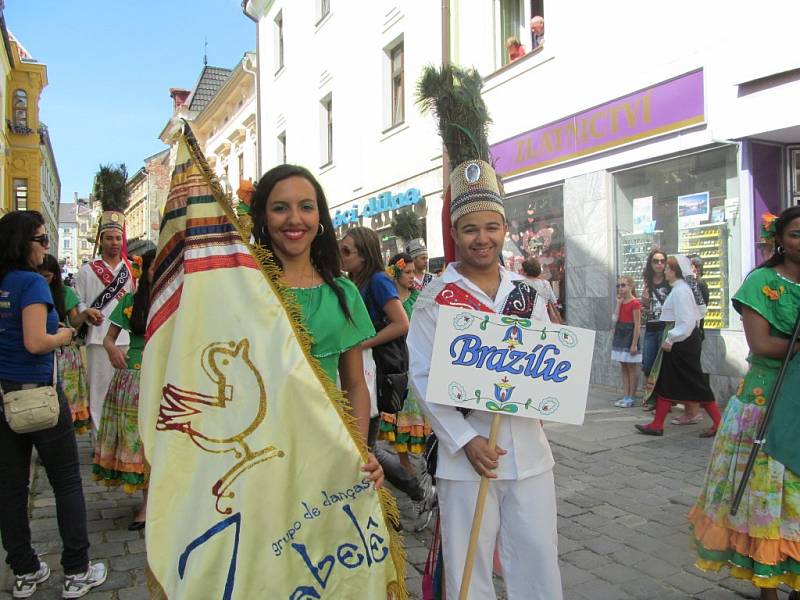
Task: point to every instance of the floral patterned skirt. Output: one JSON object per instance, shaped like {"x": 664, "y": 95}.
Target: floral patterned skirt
{"x": 407, "y": 430}
{"x": 119, "y": 455}
{"x": 762, "y": 542}
{"x": 72, "y": 375}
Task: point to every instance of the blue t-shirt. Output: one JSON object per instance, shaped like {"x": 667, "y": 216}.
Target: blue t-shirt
{"x": 377, "y": 293}
{"x": 19, "y": 289}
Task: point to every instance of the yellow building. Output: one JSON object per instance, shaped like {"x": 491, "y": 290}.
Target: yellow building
{"x": 29, "y": 176}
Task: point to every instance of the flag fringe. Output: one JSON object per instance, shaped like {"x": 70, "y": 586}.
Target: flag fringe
{"x": 272, "y": 273}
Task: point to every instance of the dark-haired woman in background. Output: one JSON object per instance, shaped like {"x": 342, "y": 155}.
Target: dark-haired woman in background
{"x": 119, "y": 455}
{"x": 30, "y": 334}
{"x": 654, "y": 295}
{"x": 761, "y": 543}
{"x": 291, "y": 219}
{"x": 71, "y": 372}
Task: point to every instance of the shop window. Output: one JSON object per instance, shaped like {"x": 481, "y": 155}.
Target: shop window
{"x": 282, "y": 148}
{"x": 20, "y": 108}
{"x": 278, "y": 29}
{"x": 795, "y": 163}
{"x": 326, "y": 130}
{"x": 397, "y": 84}
{"x": 686, "y": 205}
{"x": 536, "y": 229}
{"x": 20, "y": 187}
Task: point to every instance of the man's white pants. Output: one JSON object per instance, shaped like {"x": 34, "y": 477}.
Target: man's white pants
{"x": 520, "y": 516}
{"x": 99, "y": 371}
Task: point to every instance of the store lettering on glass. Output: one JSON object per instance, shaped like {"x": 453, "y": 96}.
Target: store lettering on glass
{"x": 585, "y": 131}
{"x": 376, "y": 205}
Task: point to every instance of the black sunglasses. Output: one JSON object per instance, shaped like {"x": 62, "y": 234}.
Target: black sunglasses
{"x": 43, "y": 239}
{"x": 658, "y": 261}
{"x": 347, "y": 251}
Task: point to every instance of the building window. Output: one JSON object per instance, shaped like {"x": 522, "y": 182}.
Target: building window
{"x": 511, "y": 25}
{"x": 279, "y": 41}
{"x": 323, "y": 9}
{"x": 282, "y": 148}
{"x": 326, "y": 119}
{"x": 397, "y": 91}
{"x": 20, "y": 194}
{"x": 66, "y": 244}
{"x": 684, "y": 205}
{"x": 241, "y": 167}
{"x": 20, "y": 108}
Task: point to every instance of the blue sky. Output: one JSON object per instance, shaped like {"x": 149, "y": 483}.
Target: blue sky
{"x": 110, "y": 64}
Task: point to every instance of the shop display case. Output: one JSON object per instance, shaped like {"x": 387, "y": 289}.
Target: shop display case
{"x": 635, "y": 248}
{"x": 710, "y": 242}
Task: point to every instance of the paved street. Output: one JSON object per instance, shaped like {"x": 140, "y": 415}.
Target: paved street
{"x": 623, "y": 500}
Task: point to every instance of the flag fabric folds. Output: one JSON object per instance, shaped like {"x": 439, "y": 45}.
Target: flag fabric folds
{"x": 256, "y": 488}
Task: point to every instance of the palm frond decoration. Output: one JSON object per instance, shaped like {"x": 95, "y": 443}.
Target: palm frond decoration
{"x": 453, "y": 95}
{"x": 407, "y": 226}
{"x": 110, "y": 187}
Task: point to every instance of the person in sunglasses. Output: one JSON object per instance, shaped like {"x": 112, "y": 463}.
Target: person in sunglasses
{"x": 656, "y": 290}
{"x": 29, "y": 334}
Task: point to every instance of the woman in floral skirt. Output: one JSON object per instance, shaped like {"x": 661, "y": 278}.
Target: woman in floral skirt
{"x": 762, "y": 542}
{"x": 118, "y": 455}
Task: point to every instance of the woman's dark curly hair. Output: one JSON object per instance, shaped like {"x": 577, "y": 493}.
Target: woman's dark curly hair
{"x": 141, "y": 298}
{"x": 786, "y": 217}
{"x": 16, "y": 230}
{"x": 50, "y": 264}
{"x": 324, "y": 247}
{"x": 648, "y": 272}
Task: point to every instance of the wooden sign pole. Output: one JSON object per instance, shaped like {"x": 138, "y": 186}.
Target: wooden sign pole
{"x": 478, "y": 517}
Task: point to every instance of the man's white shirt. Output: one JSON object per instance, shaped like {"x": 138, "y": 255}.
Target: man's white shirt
{"x": 89, "y": 287}
{"x": 528, "y": 452}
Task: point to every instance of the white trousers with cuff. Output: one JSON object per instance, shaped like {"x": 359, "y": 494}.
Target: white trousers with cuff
{"x": 520, "y": 517}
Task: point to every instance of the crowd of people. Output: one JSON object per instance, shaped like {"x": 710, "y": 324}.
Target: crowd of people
{"x": 373, "y": 326}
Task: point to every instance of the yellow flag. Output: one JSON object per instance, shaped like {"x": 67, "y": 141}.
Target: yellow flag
{"x": 256, "y": 490}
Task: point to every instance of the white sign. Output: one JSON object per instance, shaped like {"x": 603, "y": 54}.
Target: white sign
{"x": 510, "y": 365}
{"x": 642, "y": 213}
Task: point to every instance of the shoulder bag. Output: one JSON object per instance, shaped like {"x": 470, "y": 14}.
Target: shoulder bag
{"x": 33, "y": 409}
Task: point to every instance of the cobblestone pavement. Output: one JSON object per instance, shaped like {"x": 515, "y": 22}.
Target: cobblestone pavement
{"x": 622, "y": 504}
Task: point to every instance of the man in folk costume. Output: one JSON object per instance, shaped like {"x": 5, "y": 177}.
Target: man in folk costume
{"x": 102, "y": 282}
{"x": 417, "y": 250}
{"x": 520, "y": 512}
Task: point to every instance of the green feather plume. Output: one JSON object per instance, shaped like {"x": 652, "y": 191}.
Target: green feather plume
{"x": 453, "y": 95}
{"x": 111, "y": 187}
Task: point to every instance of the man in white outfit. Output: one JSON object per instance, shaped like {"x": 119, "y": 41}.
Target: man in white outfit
{"x": 100, "y": 284}
{"x": 520, "y": 513}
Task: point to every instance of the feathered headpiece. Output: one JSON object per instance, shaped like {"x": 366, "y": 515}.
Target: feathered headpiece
{"x": 111, "y": 189}
{"x": 453, "y": 95}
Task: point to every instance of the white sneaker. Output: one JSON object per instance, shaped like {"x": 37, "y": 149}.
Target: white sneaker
{"x": 77, "y": 586}
{"x": 423, "y": 509}
{"x": 25, "y": 585}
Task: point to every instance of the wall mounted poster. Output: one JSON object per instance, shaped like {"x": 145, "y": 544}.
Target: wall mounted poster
{"x": 692, "y": 209}
{"x": 642, "y": 213}
{"x": 510, "y": 365}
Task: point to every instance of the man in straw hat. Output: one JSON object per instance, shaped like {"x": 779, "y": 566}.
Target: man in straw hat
{"x": 419, "y": 252}
{"x": 520, "y": 511}
{"x": 103, "y": 281}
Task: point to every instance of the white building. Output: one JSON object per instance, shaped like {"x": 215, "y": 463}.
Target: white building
{"x": 68, "y": 242}
{"x": 633, "y": 125}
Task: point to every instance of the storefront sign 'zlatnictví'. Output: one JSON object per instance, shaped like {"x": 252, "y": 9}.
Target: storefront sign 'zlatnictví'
{"x": 669, "y": 106}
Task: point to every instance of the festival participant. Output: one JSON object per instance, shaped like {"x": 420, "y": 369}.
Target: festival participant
{"x": 101, "y": 284}
{"x": 118, "y": 453}
{"x": 419, "y": 253}
{"x": 761, "y": 543}
{"x": 71, "y": 372}
{"x": 291, "y": 219}
{"x": 31, "y": 333}
{"x": 407, "y": 430}
{"x": 677, "y": 375}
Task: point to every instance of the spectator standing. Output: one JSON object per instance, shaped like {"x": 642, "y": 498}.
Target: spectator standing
{"x": 625, "y": 346}
{"x": 30, "y": 334}
{"x": 419, "y": 253}
{"x": 655, "y": 292}
{"x": 532, "y": 269}
{"x": 537, "y": 32}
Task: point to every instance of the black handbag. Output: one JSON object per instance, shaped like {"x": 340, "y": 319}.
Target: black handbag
{"x": 391, "y": 364}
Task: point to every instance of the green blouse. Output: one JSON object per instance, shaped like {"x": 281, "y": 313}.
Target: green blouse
{"x": 70, "y": 298}
{"x": 331, "y": 332}
{"x": 120, "y": 317}
{"x": 408, "y": 303}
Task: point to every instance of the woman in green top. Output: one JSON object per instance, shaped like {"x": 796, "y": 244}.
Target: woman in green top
{"x": 762, "y": 542}
{"x": 71, "y": 372}
{"x": 118, "y": 454}
{"x": 292, "y": 220}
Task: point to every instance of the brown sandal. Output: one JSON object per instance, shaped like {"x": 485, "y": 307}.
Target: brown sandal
{"x": 708, "y": 433}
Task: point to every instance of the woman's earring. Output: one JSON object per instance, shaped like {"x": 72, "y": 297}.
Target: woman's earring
{"x": 321, "y": 229}
{"x": 779, "y": 249}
